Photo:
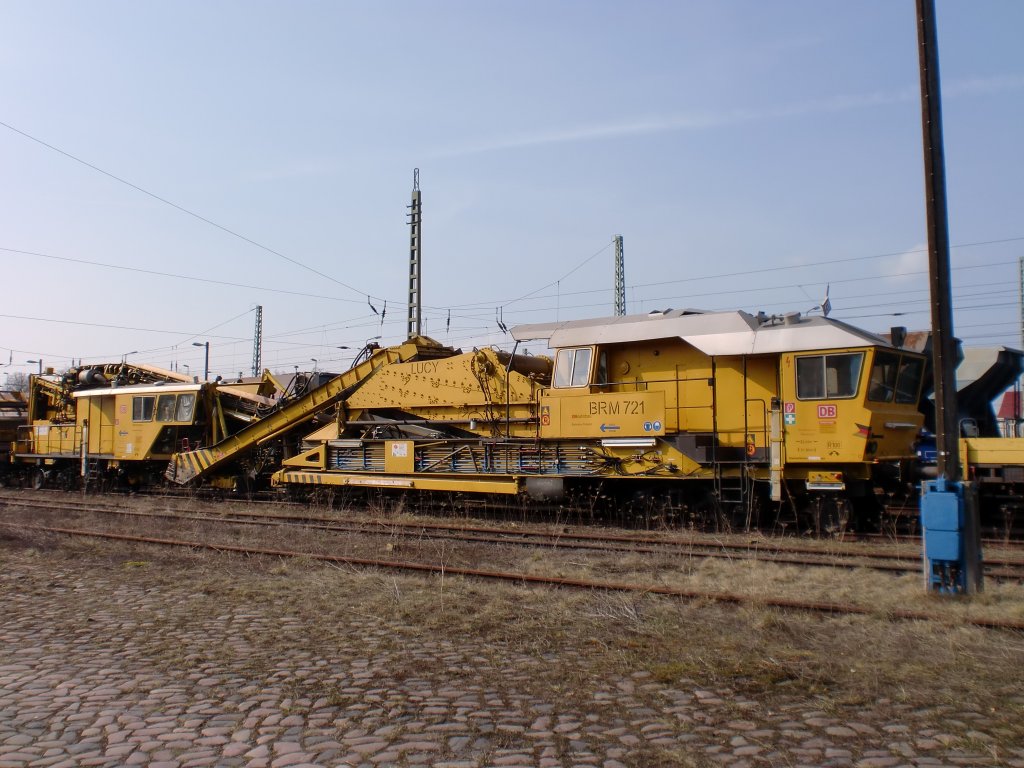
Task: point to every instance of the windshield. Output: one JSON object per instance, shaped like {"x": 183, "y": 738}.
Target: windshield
{"x": 895, "y": 378}
{"x": 823, "y": 377}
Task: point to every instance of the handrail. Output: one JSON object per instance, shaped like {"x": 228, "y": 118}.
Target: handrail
{"x": 38, "y": 439}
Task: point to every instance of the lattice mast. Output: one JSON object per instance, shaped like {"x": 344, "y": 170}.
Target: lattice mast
{"x": 415, "y": 264}
{"x": 257, "y": 343}
{"x": 620, "y": 277}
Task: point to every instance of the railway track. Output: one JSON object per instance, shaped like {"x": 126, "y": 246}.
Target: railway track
{"x": 824, "y": 607}
{"x": 498, "y": 511}
{"x": 779, "y": 551}
{"x": 1009, "y": 543}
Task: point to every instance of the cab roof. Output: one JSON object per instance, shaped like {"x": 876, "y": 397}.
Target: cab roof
{"x": 157, "y": 388}
{"x": 714, "y": 333}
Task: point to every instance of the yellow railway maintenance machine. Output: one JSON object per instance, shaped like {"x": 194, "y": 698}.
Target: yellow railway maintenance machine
{"x": 761, "y": 409}
{"x": 697, "y": 410}
{"x": 122, "y": 423}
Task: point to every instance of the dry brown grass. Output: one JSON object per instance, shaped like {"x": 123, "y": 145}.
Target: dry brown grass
{"x": 754, "y": 578}
{"x": 837, "y": 662}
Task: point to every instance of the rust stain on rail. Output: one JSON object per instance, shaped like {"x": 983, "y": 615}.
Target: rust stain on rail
{"x": 689, "y": 594}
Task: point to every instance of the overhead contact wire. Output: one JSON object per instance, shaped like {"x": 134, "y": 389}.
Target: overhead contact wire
{"x": 174, "y": 205}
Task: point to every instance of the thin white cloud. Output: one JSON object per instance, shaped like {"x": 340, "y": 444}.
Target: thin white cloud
{"x": 703, "y": 120}
{"x": 983, "y": 85}
{"x": 904, "y": 266}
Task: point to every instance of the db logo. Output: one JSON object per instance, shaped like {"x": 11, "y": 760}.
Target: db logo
{"x": 826, "y": 411}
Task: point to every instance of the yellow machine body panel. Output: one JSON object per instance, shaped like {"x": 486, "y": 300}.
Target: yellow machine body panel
{"x": 679, "y": 372}
{"x": 399, "y": 456}
{"x": 585, "y": 415}
{"x": 842, "y": 414}
{"x": 660, "y": 388}
{"x": 744, "y": 389}
{"x": 504, "y": 485}
{"x": 995, "y": 465}
{"x": 101, "y": 415}
{"x": 991, "y": 451}
{"x": 473, "y": 389}
{"x": 48, "y": 439}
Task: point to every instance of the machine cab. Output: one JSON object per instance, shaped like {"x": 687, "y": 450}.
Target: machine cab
{"x": 841, "y": 405}
{"x": 142, "y": 422}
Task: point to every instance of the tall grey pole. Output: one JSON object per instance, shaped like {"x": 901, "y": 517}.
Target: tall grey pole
{"x": 257, "y": 343}
{"x": 947, "y": 427}
{"x": 1020, "y": 296}
{"x": 414, "y": 326}
{"x": 620, "y": 277}
{"x": 944, "y": 350}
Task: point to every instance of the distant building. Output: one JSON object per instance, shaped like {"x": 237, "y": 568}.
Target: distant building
{"x": 1010, "y": 415}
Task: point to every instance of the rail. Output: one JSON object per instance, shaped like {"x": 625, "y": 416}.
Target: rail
{"x": 521, "y": 577}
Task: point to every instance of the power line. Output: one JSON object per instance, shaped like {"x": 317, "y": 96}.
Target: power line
{"x": 567, "y": 274}
{"x": 317, "y": 272}
{"x": 764, "y": 270}
{"x": 181, "y": 208}
{"x": 177, "y": 276}
{"x": 834, "y": 281}
{"x": 959, "y": 294}
{"x": 525, "y": 296}
{"x": 924, "y": 311}
{"x": 114, "y": 327}
{"x": 827, "y": 262}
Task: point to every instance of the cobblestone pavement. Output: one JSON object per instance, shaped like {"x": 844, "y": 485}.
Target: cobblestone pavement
{"x": 111, "y": 667}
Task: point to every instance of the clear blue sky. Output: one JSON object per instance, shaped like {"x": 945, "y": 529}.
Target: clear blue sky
{"x": 748, "y": 152}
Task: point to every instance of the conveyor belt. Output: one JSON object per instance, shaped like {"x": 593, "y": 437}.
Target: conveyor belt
{"x": 191, "y": 465}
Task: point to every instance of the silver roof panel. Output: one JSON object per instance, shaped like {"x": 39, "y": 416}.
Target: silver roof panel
{"x": 162, "y": 388}
{"x": 713, "y": 333}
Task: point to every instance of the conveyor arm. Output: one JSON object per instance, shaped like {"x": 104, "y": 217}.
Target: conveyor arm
{"x": 189, "y": 466}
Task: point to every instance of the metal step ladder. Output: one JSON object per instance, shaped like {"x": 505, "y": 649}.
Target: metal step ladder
{"x": 731, "y": 489}
{"x": 734, "y": 494}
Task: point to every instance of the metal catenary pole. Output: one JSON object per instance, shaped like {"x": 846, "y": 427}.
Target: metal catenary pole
{"x": 947, "y": 428}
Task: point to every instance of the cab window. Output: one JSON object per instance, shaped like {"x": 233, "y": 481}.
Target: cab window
{"x": 572, "y": 367}
{"x": 882, "y": 383}
{"x": 186, "y": 405}
{"x": 165, "y": 408}
{"x": 895, "y": 377}
{"x": 142, "y": 408}
{"x": 908, "y": 383}
{"x": 823, "y": 377}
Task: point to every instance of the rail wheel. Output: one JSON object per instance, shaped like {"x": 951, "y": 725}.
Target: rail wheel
{"x": 243, "y": 487}
{"x": 38, "y": 479}
{"x": 830, "y": 515}
{"x": 866, "y": 514}
{"x": 67, "y": 480}
{"x": 709, "y": 513}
